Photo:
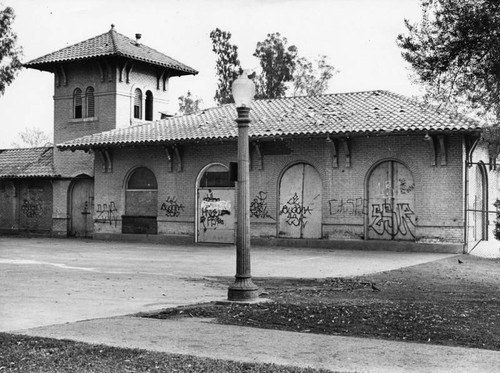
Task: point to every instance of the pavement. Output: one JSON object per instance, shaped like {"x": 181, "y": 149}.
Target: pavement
{"x": 89, "y": 290}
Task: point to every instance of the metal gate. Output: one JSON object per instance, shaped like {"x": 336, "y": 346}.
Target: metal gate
{"x": 300, "y": 202}
{"x": 82, "y": 208}
{"x": 391, "y": 202}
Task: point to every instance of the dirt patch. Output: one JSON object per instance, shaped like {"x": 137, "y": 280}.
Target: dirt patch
{"x": 443, "y": 302}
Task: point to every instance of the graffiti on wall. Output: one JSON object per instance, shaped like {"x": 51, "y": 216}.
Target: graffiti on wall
{"x": 349, "y": 206}
{"x": 397, "y": 220}
{"x": 404, "y": 187}
{"x": 32, "y": 208}
{"x": 295, "y": 212}
{"x": 258, "y": 207}
{"x": 212, "y": 211}
{"x": 107, "y": 213}
{"x": 171, "y": 207}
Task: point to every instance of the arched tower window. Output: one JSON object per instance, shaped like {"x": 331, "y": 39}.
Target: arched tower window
{"x": 89, "y": 102}
{"x": 77, "y": 103}
{"x": 149, "y": 105}
{"x": 138, "y": 104}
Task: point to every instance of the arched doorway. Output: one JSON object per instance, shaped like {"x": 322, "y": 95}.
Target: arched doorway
{"x": 216, "y": 209}
{"x": 391, "y": 202}
{"x": 300, "y": 202}
{"x": 9, "y": 217}
{"x": 141, "y": 202}
{"x": 81, "y": 206}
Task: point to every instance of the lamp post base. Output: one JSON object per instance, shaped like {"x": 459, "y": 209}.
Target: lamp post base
{"x": 242, "y": 289}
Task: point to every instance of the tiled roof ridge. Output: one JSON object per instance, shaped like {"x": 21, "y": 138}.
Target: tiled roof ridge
{"x": 112, "y": 33}
{"x": 28, "y": 148}
{"x": 33, "y": 62}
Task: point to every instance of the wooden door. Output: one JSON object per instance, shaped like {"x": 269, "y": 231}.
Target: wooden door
{"x": 82, "y": 208}
{"x": 391, "y": 202}
{"x": 300, "y": 202}
{"x": 216, "y": 215}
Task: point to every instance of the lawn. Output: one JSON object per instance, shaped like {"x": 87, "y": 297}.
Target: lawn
{"x": 443, "y": 302}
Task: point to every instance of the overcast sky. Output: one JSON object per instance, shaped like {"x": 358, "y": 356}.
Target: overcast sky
{"x": 358, "y": 36}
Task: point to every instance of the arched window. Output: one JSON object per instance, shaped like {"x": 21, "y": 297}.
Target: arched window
{"x": 141, "y": 202}
{"x": 89, "y": 102}
{"x": 138, "y": 104}
{"x": 149, "y": 105}
{"x": 77, "y": 103}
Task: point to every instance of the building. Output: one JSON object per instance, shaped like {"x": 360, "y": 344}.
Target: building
{"x": 371, "y": 170}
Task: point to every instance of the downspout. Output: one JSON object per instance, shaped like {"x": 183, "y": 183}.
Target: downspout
{"x": 468, "y": 159}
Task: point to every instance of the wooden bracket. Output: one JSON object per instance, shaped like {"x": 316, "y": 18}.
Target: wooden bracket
{"x": 169, "y": 158}
{"x": 347, "y": 149}
{"x": 102, "y": 72}
{"x": 179, "y": 159}
{"x": 334, "y": 151}
{"x": 430, "y": 140}
{"x": 128, "y": 70}
{"x": 63, "y": 75}
{"x": 258, "y": 154}
{"x": 442, "y": 150}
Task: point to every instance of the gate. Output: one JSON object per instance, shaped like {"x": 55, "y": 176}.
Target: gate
{"x": 391, "y": 202}
{"x": 300, "y": 202}
{"x": 82, "y": 208}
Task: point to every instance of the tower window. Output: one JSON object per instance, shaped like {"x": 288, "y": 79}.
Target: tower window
{"x": 138, "y": 104}
{"x": 149, "y": 105}
{"x": 77, "y": 103}
{"x": 89, "y": 102}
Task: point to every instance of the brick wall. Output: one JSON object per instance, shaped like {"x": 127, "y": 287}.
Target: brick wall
{"x": 438, "y": 190}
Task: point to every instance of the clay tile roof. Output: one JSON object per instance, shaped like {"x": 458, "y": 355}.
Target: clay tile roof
{"x": 29, "y": 162}
{"x": 110, "y": 43}
{"x": 332, "y": 114}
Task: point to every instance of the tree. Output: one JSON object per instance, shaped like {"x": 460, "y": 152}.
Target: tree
{"x": 227, "y": 65}
{"x": 189, "y": 104}
{"x": 455, "y": 54}
{"x": 311, "y": 81}
{"x": 10, "y": 54}
{"x": 32, "y": 138}
{"x": 277, "y": 61}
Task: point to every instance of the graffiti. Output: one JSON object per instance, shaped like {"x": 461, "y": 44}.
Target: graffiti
{"x": 107, "y": 214}
{"x": 349, "y": 206}
{"x": 258, "y": 207}
{"x": 212, "y": 211}
{"x": 404, "y": 188}
{"x": 32, "y": 209}
{"x": 295, "y": 212}
{"x": 397, "y": 221}
{"x": 171, "y": 207}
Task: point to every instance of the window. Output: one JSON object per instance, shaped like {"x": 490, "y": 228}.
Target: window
{"x": 77, "y": 103}
{"x": 141, "y": 203}
{"x": 149, "y": 105}
{"x": 89, "y": 102}
{"x": 216, "y": 176}
{"x": 138, "y": 104}
{"x": 142, "y": 179}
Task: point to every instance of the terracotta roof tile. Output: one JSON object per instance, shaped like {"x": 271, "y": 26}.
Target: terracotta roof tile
{"x": 110, "y": 43}
{"x": 332, "y": 114}
{"x": 29, "y": 162}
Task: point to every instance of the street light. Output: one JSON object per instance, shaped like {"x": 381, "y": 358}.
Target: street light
{"x": 243, "y": 287}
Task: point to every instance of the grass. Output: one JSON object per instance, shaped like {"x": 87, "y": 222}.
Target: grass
{"x": 443, "y": 302}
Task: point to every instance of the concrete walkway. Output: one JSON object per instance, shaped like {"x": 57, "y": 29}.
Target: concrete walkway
{"x": 201, "y": 337}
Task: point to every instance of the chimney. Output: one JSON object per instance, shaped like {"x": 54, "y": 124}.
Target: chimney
{"x": 137, "y": 38}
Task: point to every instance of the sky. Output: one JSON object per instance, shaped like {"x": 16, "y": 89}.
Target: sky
{"x": 357, "y": 36}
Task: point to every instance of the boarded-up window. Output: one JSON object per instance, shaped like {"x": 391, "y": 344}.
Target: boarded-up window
{"x": 138, "y": 104}
{"x": 89, "y": 102}
{"x": 216, "y": 176}
{"x": 141, "y": 203}
{"x": 77, "y": 103}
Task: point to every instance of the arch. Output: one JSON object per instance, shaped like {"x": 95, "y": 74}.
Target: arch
{"x": 89, "y": 102}
{"x": 300, "y": 191}
{"x": 141, "y": 202}
{"x": 149, "y": 105}
{"x": 215, "y": 205}
{"x": 137, "y": 103}
{"x": 390, "y": 192}
{"x": 77, "y": 103}
{"x": 81, "y": 207}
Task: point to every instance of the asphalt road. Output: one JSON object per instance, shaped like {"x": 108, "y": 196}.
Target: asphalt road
{"x": 46, "y": 281}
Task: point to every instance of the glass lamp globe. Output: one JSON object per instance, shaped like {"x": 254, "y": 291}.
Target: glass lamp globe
{"x": 243, "y": 90}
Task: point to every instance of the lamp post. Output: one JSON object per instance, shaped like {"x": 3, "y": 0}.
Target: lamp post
{"x": 243, "y": 287}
